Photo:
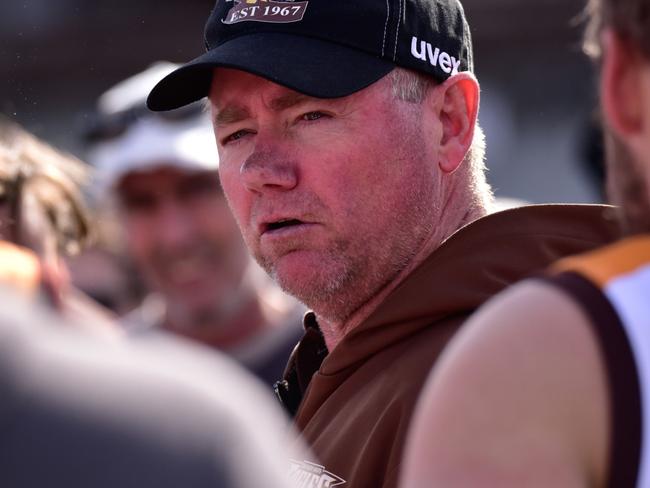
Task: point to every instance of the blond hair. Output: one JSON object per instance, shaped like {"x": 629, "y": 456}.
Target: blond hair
{"x": 34, "y": 177}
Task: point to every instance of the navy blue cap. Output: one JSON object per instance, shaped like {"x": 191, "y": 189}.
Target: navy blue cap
{"x": 323, "y": 48}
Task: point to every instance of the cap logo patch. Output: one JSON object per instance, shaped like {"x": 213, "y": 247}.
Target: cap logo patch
{"x": 274, "y": 11}
{"x": 424, "y": 51}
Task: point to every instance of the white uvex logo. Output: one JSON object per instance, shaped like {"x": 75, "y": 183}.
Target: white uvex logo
{"x": 445, "y": 61}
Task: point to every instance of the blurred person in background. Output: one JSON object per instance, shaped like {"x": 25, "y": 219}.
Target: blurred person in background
{"x": 107, "y": 276}
{"x": 42, "y": 210}
{"x": 549, "y": 384}
{"x": 161, "y": 172}
{"x": 103, "y": 270}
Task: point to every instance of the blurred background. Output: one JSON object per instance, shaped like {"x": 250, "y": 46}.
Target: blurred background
{"x": 58, "y": 56}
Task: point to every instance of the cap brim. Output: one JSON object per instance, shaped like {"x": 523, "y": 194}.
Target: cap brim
{"x": 311, "y": 66}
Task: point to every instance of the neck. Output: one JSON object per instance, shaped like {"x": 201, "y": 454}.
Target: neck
{"x": 225, "y": 330}
{"x": 452, "y": 218}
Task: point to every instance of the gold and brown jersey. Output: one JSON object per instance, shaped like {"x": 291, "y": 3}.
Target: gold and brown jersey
{"x": 612, "y": 286}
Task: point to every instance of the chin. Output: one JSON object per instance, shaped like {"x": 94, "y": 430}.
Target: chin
{"x": 193, "y": 299}
{"x": 315, "y": 282}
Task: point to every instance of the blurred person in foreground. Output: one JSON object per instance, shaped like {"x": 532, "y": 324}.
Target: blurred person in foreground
{"x": 162, "y": 174}
{"x": 351, "y": 158}
{"x": 83, "y": 410}
{"x": 549, "y": 384}
{"x": 42, "y": 209}
{"x": 81, "y": 407}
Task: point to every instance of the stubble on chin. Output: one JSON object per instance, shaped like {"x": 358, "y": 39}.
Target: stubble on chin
{"x": 321, "y": 285}
{"x": 343, "y": 278}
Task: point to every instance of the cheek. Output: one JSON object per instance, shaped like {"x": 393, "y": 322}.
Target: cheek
{"x": 346, "y": 179}
{"x": 237, "y": 196}
{"x": 140, "y": 235}
{"x": 392, "y": 183}
{"x": 363, "y": 178}
{"x": 216, "y": 219}
{"x": 643, "y": 142}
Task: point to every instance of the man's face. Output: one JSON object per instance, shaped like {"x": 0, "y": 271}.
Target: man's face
{"x": 184, "y": 240}
{"x": 628, "y": 185}
{"x": 628, "y": 134}
{"x": 333, "y": 197}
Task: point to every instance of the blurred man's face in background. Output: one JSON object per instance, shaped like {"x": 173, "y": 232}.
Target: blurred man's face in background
{"x": 625, "y": 92}
{"x": 628, "y": 185}
{"x": 184, "y": 240}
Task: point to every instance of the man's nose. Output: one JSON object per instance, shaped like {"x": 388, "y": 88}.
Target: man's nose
{"x": 266, "y": 170}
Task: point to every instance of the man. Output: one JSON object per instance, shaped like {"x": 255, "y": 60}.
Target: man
{"x": 351, "y": 159}
{"x": 162, "y": 171}
{"x": 81, "y": 409}
{"x": 548, "y": 385}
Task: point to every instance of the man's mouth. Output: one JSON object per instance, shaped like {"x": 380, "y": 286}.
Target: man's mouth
{"x": 182, "y": 270}
{"x": 281, "y": 224}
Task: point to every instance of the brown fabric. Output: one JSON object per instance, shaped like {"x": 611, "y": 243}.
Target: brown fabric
{"x": 356, "y": 410}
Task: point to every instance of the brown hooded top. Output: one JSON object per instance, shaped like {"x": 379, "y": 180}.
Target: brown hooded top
{"x": 356, "y": 402}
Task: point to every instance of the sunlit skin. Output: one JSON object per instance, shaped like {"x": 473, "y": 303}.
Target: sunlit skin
{"x": 334, "y": 198}
{"x": 184, "y": 240}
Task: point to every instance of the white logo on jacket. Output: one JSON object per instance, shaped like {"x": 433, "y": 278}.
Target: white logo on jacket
{"x": 310, "y": 475}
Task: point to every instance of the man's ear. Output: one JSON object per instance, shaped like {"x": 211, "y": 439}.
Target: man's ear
{"x": 457, "y": 106}
{"x": 620, "y": 87}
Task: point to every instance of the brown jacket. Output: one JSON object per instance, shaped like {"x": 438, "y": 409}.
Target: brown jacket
{"x": 355, "y": 403}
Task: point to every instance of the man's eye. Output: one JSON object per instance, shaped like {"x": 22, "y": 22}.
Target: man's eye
{"x": 198, "y": 186}
{"x": 311, "y": 116}
{"x": 235, "y": 136}
{"x": 139, "y": 203}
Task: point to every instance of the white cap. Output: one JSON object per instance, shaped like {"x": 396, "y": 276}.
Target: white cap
{"x": 150, "y": 140}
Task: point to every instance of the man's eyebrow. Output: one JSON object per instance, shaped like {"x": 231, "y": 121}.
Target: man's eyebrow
{"x": 289, "y": 100}
{"x": 233, "y": 114}
{"x": 230, "y": 115}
